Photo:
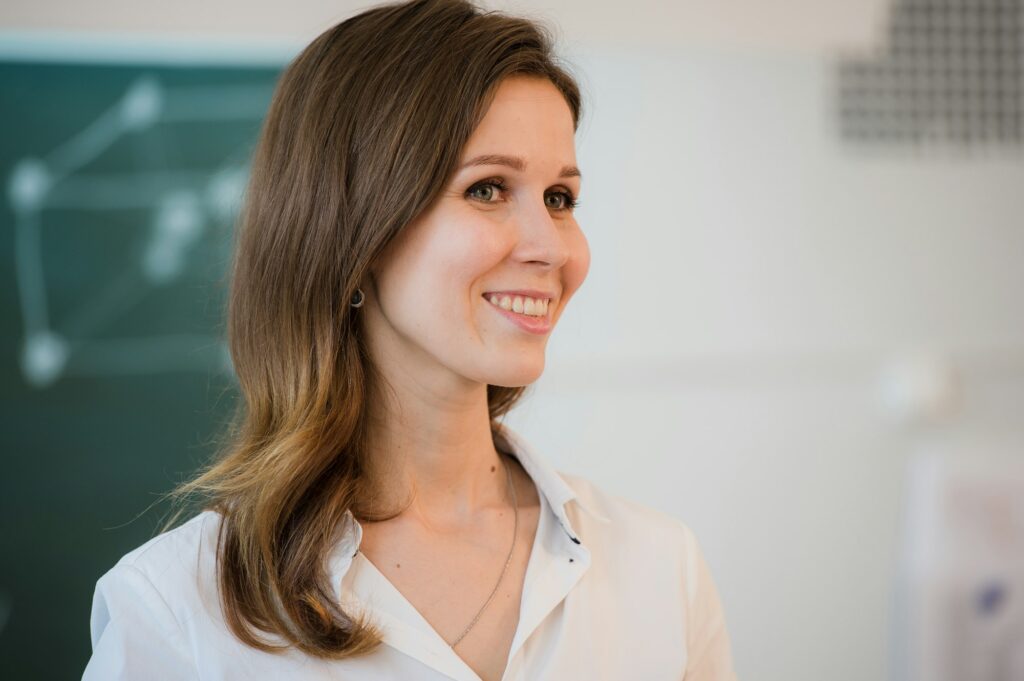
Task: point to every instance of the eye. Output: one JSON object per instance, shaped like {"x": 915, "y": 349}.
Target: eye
{"x": 484, "y": 191}
{"x": 492, "y": 184}
{"x": 569, "y": 202}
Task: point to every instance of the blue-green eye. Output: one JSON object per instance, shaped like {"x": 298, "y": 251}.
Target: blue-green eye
{"x": 488, "y": 184}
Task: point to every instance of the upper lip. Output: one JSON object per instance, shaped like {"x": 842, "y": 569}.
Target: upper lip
{"x": 530, "y": 293}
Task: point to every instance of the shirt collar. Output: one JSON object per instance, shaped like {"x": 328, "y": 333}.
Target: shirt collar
{"x": 548, "y": 480}
{"x": 556, "y": 565}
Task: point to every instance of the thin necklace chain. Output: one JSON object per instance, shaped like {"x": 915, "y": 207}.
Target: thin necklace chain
{"x": 515, "y": 532}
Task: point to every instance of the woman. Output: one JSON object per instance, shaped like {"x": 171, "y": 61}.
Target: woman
{"x": 406, "y": 246}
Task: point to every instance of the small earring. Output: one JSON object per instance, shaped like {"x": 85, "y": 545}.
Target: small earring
{"x": 358, "y": 298}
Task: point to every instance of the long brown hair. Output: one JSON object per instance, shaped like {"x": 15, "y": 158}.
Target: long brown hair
{"x": 365, "y": 129}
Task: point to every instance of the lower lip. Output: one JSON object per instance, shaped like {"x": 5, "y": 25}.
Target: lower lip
{"x": 537, "y": 325}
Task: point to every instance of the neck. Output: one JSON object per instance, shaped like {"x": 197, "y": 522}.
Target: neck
{"x": 437, "y": 451}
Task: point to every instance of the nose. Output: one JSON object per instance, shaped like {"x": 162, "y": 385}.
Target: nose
{"x": 542, "y": 237}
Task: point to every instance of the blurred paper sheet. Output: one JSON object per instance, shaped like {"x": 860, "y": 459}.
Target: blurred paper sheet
{"x": 960, "y": 595}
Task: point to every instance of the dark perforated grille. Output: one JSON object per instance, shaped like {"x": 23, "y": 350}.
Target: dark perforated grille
{"x": 950, "y": 74}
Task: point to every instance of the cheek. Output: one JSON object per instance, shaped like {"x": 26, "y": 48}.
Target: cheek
{"x": 475, "y": 251}
{"x": 576, "y": 268}
{"x": 447, "y": 259}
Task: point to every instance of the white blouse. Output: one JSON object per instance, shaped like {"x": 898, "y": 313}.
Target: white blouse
{"x": 613, "y": 590}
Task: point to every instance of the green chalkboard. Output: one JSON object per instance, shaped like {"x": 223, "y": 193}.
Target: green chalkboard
{"x": 122, "y": 182}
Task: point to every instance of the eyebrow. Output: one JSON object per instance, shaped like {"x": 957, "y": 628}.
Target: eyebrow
{"x": 514, "y": 162}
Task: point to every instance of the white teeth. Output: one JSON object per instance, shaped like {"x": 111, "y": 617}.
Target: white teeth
{"x": 533, "y": 307}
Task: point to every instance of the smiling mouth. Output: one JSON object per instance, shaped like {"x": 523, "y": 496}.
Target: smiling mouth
{"x": 524, "y": 305}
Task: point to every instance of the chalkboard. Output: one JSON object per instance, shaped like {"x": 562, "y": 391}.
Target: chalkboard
{"x": 122, "y": 183}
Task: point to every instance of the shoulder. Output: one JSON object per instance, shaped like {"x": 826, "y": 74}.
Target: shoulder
{"x": 173, "y": 573}
{"x": 147, "y": 607}
{"x": 646, "y": 565}
{"x": 624, "y": 514}
{"x": 170, "y": 554}
{"x": 656, "y": 541}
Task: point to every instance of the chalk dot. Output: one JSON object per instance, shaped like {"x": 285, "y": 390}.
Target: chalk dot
{"x": 224, "y": 193}
{"x": 29, "y": 183}
{"x": 141, "y": 104}
{"x": 178, "y": 223}
{"x": 43, "y": 358}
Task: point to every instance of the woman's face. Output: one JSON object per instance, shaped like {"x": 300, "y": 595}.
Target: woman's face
{"x": 497, "y": 235}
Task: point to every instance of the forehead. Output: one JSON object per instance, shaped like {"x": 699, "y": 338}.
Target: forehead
{"x": 527, "y": 114}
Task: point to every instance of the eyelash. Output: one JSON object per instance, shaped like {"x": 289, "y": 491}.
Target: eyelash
{"x": 570, "y": 201}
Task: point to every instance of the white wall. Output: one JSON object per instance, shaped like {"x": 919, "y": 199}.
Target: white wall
{"x": 751, "y": 277}
{"x": 781, "y": 24}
